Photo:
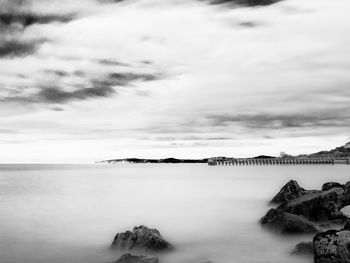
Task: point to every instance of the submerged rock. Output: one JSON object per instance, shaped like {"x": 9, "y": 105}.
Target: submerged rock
{"x": 303, "y": 248}
{"x": 317, "y": 206}
{"x": 287, "y": 223}
{"x": 128, "y": 258}
{"x": 330, "y": 185}
{"x": 332, "y": 247}
{"x": 141, "y": 237}
{"x": 288, "y": 192}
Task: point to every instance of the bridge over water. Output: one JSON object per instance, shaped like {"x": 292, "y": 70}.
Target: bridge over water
{"x": 277, "y": 161}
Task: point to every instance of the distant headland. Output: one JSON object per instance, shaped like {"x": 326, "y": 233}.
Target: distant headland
{"x": 339, "y": 152}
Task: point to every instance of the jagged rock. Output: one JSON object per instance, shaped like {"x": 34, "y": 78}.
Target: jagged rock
{"x": 330, "y": 185}
{"x": 303, "y": 248}
{"x": 128, "y": 258}
{"x": 332, "y": 247}
{"x": 287, "y": 223}
{"x": 317, "y": 206}
{"x": 288, "y": 192}
{"x": 141, "y": 237}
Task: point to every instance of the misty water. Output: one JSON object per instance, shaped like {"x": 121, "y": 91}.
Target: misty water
{"x": 70, "y": 213}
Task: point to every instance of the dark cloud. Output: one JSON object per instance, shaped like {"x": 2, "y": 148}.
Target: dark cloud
{"x": 330, "y": 118}
{"x": 125, "y": 78}
{"x": 245, "y": 2}
{"x": 57, "y": 95}
{"x": 27, "y": 19}
{"x": 54, "y": 93}
{"x": 14, "y": 48}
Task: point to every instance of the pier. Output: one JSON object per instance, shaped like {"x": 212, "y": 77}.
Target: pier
{"x": 277, "y": 161}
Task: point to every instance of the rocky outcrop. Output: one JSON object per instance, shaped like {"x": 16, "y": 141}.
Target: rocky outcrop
{"x": 330, "y": 185}
{"x": 332, "y": 247}
{"x": 288, "y": 192}
{"x": 141, "y": 237}
{"x": 303, "y": 248}
{"x": 128, "y": 258}
{"x": 317, "y": 206}
{"x": 287, "y": 223}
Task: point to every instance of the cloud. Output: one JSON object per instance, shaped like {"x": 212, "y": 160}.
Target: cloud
{"x": 27, "y": 19}
{"x": 245, "y": 2}
{"x": 328, "y": 118}
{"x": 18, "y": 48}
{"x": 54, "y": 93}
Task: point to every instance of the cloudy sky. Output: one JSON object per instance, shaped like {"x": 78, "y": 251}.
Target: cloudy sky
{"x": 87, "y": 80}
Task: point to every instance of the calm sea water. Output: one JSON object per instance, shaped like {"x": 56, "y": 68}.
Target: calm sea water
{"x": 70, "y": 213}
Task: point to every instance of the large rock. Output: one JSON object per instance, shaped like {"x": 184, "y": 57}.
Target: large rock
{"x": 128, "y": 258}
{"x": 287, "y": 223}
{"x": 288, "y": 192}
{"x": 330, "y": 185}
{"x": 303, "y": 248}
{"x": 141, "y": 237}
{"x": 319, "y": 206}
{"x": 332, "y": 247}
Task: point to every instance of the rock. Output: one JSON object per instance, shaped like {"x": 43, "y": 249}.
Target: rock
{"x": 332, "y": 247}
{"x": 345, "y": 211}
{"x": 287, "y": 223}
{"x": 303, "y": 248}
{"x": 347, "y": 225}
{"x": 346, "y": 195}
{"x": 128, "y": 258}
{"x": 330, "y": 185}
{"x": 288, "y": 192}
{"x": 141, "y": 237}
{"x": 316, "y": 206}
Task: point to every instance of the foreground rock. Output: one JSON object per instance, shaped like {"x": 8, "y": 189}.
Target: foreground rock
{"x": 288, "y": 192}
{"x": 332, "y": 247}
{"x": 287, "y": 223}
{"x": 141, "y": 237}
{"x": 128, "y": 258}
{"x": 319, "y": 206}
{"x": 303, "y": 248}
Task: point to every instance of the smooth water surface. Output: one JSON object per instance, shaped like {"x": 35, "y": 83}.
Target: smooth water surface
{"x": 70, "y": 213}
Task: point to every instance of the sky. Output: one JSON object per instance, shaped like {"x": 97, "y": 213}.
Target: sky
{"x": 89, "y": 80}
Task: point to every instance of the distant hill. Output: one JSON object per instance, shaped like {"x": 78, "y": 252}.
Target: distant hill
{"x": 166, "y": 160}
{"x": 342, "y": 151}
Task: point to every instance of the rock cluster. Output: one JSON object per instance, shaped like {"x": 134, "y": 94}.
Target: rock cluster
{"x": 141, "y": 237}
{"x": 300, "y": 211}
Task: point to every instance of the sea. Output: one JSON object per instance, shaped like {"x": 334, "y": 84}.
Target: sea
{"x": 71, "y": 213}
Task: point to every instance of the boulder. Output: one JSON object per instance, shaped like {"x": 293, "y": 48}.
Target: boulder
{"x": 289, "y": 191}
{"x": 128, "y": 258}
{"x": 141, "y": 237}
{"x": 303, "y": 248}
{"x": 318, "y": 206}
{"x": 332, "y": 247}
{"x": 345, "y": 211}
{"x": 330, "y": 185}
{"x": 287, "y": 223}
